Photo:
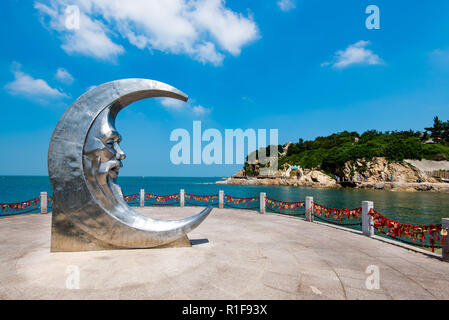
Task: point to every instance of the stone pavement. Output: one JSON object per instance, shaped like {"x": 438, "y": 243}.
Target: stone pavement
{"x": 236, "y": 254}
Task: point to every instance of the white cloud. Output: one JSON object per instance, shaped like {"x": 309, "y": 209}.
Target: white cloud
{"x": 231, "y": 30}
{"x": 180, "y": 106}
{"x": 354, "y": 54}
{"x": 91, "y": 39}
{"x": 247, "y": 99}
{"x": 286, "y": 5}
{"x": 200, "y": 110}
{"x": 440, "y": 57}
{"x": 206, "y": 53}
{"x": 172, "y": 104}
{"x": 201, "y": 29}
{"x": 64, "y": 76}
{"x": 31, "y": 88}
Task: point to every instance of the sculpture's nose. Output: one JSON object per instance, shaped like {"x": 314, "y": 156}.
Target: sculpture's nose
{"x": 120, "y": 155}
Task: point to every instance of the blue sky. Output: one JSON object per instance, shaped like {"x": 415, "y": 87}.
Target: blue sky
{"x": 305, "y": 67}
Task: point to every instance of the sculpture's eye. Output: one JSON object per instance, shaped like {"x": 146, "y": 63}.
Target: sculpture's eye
{"x": 110, "y": 143}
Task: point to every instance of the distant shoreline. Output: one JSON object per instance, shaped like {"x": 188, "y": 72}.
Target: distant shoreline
{"x": 386, "y": 186}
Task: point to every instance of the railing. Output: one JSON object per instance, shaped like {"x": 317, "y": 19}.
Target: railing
{"x": 283, "y": 207}
{"x": 132, "y": 199}
{"x": 428, "y": 236}
{"x": 165, "y": 200}
{"x": 364, "y": 217}
{"x": 49, "y": 203}
{"x": 444, "y": 174}
{"x": 342, "y": 217}
{"x": 199, "y": 200}
{"x": 24, "y": 207}
{"x": 241, "y": 203}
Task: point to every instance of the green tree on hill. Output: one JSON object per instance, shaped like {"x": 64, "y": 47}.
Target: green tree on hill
{"x": 440, "y": 131}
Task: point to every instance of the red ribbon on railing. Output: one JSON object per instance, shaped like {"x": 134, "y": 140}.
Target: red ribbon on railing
{"x": 131, "y": 197}
{"x": 402, "y": 230}
{"x": 236, "y": 200}
{"x": 6, "y": 207}
{"x": 166, "y": 198}
{"x": 284, "y": 205}
{"x": 336, "y": 213}
{"x": 201, "y": 198}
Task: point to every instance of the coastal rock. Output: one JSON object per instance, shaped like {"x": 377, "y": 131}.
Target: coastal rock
{"x": 424, "y": 187}
{"x": 321, "y": 178}
{"x": 379, "y": 169}
{"x": 285, "y": 149}
{"x": 239, "y": 173}
{"x": 373, "y": 174}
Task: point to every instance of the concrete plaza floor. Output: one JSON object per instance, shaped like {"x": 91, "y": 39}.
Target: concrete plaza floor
{"x": 236, "y": 254}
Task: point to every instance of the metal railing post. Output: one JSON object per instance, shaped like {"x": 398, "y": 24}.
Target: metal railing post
{"x": 367, "y": 220}
{"x": 220, "y": 199}
{"x": 181, "y": 198}
{"x": 262, "y": 202}
{"x": 309, "y": 209}
{"x": 142, "y": 198}
{"x": 44, "y": 200}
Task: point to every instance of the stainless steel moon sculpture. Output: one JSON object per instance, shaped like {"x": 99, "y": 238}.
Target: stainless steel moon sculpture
{"x": 84, "y": 158}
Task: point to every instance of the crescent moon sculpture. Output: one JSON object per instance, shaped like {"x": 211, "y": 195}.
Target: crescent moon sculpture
{"x": 84, "y": 158}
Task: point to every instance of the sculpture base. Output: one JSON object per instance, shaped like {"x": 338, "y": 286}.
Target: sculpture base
{"x": 180, "y": 243}
{"x": 84, "y": 242}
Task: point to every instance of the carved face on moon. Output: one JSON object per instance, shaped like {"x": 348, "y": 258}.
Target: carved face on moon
{"x": 102, "y": 152}
{"x": 102, "y": 157}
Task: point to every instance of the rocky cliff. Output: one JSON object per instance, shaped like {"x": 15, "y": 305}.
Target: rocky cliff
{"x": 377, "y": 173}
{"x": 380, "y": 169}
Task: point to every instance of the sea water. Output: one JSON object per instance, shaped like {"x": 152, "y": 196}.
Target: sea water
{"x": 407, "y": 207}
